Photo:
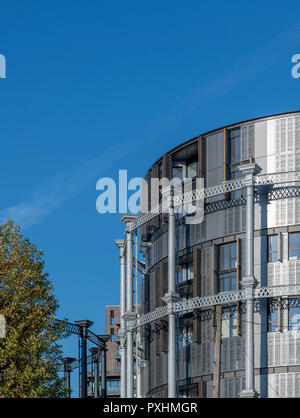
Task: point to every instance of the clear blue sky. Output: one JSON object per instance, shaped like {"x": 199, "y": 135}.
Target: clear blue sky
{"x": 93, "y": 87}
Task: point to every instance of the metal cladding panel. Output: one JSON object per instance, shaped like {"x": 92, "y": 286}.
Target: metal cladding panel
{"x": 234, "y": 220}
{"x": 181, "y": 237}
{"x": 206, "y": 269}
{"x": 231, "y": 388}
{"x": 215, "y": 225}
{"x": 232, "y": 354}
{"x": 197, "y": 233}
{"x": 247, "y": 141}
{"x": 152, "y": 298}
{"x": 261, "y": 144}
{"x": 284, "y": 385}
{"x": 287, "y": 273}
{"x": 283, "y": 143}
{"x": 283, "y": 348}
{"x": 214, "y": 160}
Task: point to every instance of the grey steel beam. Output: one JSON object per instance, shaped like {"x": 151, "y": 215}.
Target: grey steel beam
{"x": 248, "y": 283}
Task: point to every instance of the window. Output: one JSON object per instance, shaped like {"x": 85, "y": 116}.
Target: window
{"x": 112, "y": 317}
{"x": 185, "y": 272}
{"x": 188, "y": 391}
{"x": 227, "y": 282}
{"x": 272, "y": 248}
{"x": 230, "y": 325}
{"x": 185, "y": 169}
{"x": 227, "y": 256}
{"x": 273, "y": 317}
{"x": 227, "y": 267}
{"x": 192, "y": 170}
{"x": 113, "y": 386}
{"x": 112, "y": 334}
{"x": 294, "y": 246}
{"x": 178, "y": 172}
{"x": 294, "y": 318}
{"x": 185, "y": 335}
{"x": 235, "y": 145}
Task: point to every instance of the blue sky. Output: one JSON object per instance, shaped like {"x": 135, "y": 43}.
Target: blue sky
{"x": 94, "y": 87}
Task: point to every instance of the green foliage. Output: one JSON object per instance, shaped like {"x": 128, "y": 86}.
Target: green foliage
{"x": 30, "y": 356}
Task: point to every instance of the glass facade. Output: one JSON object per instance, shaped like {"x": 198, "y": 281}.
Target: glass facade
{"x": 185, "y": 336}
{"x": 227, "y": 267}
{"x": 294, "y": 246}
{"x": 113, "y": 387}
{"x": 185, "y": 272}
{"x": 294, "y": 318}
{"x": 235, "y": 145}
{"x": 229, "y": 325}
{"x": 273, "y": 317}
{"x": 272, "y": 248}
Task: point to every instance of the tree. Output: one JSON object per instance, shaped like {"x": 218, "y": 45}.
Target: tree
{"x": 30, "y": 356}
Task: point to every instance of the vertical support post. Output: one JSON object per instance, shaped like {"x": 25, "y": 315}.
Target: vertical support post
{"x": 95, "y": 357}
{"x": 83, "y": 325}
{"x": 130, "y": 314}
{"x": 122, "y": 330}
{"x": 171, "y": 297}
{"x": 79, "y": 366}
{"x": 249, "y": 282}
{"x": 103, "y": 371}
{"x": 103, "y": 339}
{"x": 67, "y": 374}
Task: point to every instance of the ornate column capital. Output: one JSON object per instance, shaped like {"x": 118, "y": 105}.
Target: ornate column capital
{"x": 248, "y": 172}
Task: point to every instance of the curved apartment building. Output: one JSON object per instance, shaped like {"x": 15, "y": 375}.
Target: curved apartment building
{"x": 210, "y": 260}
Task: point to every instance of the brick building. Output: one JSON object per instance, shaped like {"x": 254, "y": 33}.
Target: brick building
{"x": 112, "y": 324}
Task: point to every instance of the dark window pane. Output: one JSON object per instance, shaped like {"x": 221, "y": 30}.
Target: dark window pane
{"x": 235, "y": 142}
{"x": 272, "y": 248}
{"x": 227, "y": 282}
{"x": 294, "y": 246}
{"x": 272, "y": 318}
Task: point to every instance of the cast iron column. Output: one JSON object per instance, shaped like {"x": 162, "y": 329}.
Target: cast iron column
{"x": 122, "y": 331}
{"x": 130, "y": 314}
{"x": 67, "y": 374}
{"x": 95, "y": 355}
{"x": 103, "y": 371}
{"x": 171, "y": 297}
{"x": 103, "y": 339}
{"x": 248, "y": 283}
{"x": 84, "y": 325}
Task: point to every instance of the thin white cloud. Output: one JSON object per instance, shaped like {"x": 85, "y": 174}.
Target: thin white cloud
{"x": 66, "y": 185}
